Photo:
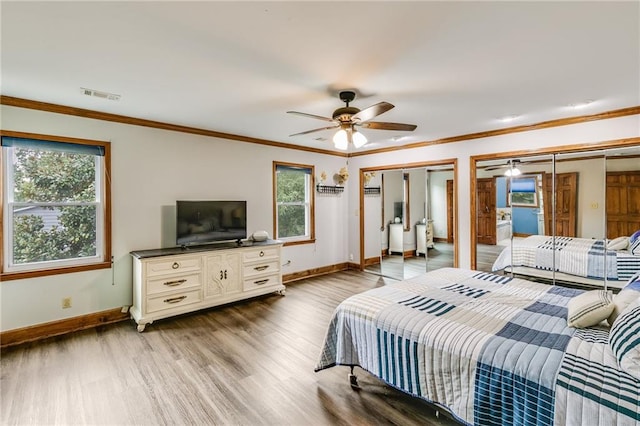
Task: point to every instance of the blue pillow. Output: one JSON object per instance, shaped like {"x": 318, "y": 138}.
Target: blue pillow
{"x": 624, "y": 339}
{"x": 634, "y": 237}
{"x": 628, "y": 294}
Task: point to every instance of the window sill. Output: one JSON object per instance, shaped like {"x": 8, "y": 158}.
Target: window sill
{"x": 299, "y": 242}
{"x": 7, "y": 276}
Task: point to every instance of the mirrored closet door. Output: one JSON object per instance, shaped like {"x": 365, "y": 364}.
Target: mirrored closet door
{"x": 557, "y": 215}
{"x": 409, "y": 222}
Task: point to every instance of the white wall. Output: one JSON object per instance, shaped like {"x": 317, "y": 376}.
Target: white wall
{"x": 438, "y": 201}
{"x": 152, "y": 168}
{"x": 577, "y": 134}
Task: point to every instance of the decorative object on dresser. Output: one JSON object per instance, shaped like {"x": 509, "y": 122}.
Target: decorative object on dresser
{"x": 174, "y": 281}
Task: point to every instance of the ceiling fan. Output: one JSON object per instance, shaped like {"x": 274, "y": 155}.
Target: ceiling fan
{"x": 511, "y": 167}
{"x": 347, "y": 118}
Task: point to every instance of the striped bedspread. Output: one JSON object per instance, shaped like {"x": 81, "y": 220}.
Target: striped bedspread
{"x": 493, "y": 350}
{"x": 576, "y": 256}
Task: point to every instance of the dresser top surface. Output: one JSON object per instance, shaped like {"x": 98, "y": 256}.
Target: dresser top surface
{"x": 170, "y": 251}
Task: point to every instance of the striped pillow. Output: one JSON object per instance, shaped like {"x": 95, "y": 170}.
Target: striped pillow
{"x": 589, "y": 308}
{"x": 628, "y": 294}
{"x": 624, "y": 339}
{"x": 634, "y": 247}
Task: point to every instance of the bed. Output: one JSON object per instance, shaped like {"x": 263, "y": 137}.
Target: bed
{"x": 580, "y": 261}
{"x": 488, "y": 349}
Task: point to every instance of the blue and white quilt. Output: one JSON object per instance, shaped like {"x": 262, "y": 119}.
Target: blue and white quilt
{"x": 576, "y": 256}
{"x": 493, "y": 350}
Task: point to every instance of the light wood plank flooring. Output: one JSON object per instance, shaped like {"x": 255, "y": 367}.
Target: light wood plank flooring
{"x": 250, "y": 363}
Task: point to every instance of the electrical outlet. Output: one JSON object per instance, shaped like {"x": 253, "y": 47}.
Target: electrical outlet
{"x": 66, "y": 303}
{"x": 351, "y": 256}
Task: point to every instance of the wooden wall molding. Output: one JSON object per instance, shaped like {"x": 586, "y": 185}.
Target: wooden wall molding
{"x": 104, "y": 116}
{"x": 96, "y": 115}
{"x": 314, "y": 272}
{"x": 56, "y": 328}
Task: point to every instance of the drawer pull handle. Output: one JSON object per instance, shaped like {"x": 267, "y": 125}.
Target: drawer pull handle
{"x": 260, "y": 268}
{"x": 175, "y": 265}
{"x": 175, "y": 283}
{"x": 261, "y": 253}
{"x": 175, "y": 299}
{"x": 260, "y": 282}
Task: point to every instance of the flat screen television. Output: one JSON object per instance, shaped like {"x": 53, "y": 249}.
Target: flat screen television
{"x": 203, "y": 222}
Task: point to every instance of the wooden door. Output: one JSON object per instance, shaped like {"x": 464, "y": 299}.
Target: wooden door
{"x": 450, "y": 211}
{"x": 566, "y": 204}
{"x": 623, "y": 203}
{"x": 486, "y": 210}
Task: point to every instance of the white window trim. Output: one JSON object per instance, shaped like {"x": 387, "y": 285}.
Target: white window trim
{"x": 8, "y": 204}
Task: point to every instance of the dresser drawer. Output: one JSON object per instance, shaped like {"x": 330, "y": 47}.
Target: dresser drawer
{"x": 261, "y": 254}
{"x": 262, "y": 281}
{"x": 155, "y": 304}
{"x": 160, "y": 285}
{"x": 174, "y": 265}
{"x": 262, "y": 268}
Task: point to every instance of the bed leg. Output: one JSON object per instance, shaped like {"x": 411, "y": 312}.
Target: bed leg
{"x": 353, "y": 380}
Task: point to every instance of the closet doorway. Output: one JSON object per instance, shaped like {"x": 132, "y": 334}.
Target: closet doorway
{"x": 408, "y": 218}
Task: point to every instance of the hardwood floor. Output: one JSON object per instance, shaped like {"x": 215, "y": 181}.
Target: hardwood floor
{"x": 250, "y": 363}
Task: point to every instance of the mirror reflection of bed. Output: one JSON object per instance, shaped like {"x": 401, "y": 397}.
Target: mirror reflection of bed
{"x": 596, "y": 195}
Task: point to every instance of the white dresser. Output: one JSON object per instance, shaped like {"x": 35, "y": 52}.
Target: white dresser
{"x": 424, "y": 237}
{"x": 174, "y": 281}
{"x": 396, "y": 233}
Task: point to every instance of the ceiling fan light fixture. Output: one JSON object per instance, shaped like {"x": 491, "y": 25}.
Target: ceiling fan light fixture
{"x": 359, "y": 140}
{"x": 513, "y": 172}
{"x": 340, "y": 140}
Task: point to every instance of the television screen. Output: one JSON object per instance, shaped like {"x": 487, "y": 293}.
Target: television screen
{"x": 202, "y": 222}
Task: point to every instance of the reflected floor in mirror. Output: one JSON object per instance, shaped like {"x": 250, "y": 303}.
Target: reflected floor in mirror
{"x": 487, "y": 254}
{"x": 440, "y": 256}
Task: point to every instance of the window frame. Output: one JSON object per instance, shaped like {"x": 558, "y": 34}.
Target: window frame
{"x": 103, "y": 259}
{"x": 309, "y": 203}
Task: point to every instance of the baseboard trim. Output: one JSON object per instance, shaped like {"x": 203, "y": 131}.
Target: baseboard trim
{"x": 288, "y": 278}
{"x": 36, "y": 332}
{"x": 32, "y": 333}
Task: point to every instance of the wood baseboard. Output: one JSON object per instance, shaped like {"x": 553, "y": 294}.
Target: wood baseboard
{"x": 56, "y": 328}
{"x": 287, "y": 278}
{"x": 68, "y": 325}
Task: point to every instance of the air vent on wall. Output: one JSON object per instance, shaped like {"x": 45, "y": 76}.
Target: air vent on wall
{"x": 99, "y": 94}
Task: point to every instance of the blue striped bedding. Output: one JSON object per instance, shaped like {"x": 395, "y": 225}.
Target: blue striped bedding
{"x": 576, "y": 256}
{"x": 493, "y": 350}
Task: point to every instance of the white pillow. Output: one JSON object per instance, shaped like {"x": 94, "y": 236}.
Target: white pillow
{"x": 589, "y": 308}
{"x": 628, "y": 294}
{"x": 620, "y": 243}
{"x": 624, "y": 339}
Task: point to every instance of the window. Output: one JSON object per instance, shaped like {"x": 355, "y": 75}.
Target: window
{"x": 523, "y": 191}
{"x": 55, "y": 210}
{"x": 293, "y": 203}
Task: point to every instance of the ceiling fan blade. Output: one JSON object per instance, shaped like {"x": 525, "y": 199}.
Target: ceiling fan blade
{"x": 372, "y": 111}
{"x": 380, "y": 125}
{"x": 304, "y": 114}
{"x": 492, "y": 168}
{"x": 316, "y": 130}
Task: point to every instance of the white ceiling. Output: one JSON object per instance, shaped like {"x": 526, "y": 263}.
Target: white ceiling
{"x": 452, "y": 68}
